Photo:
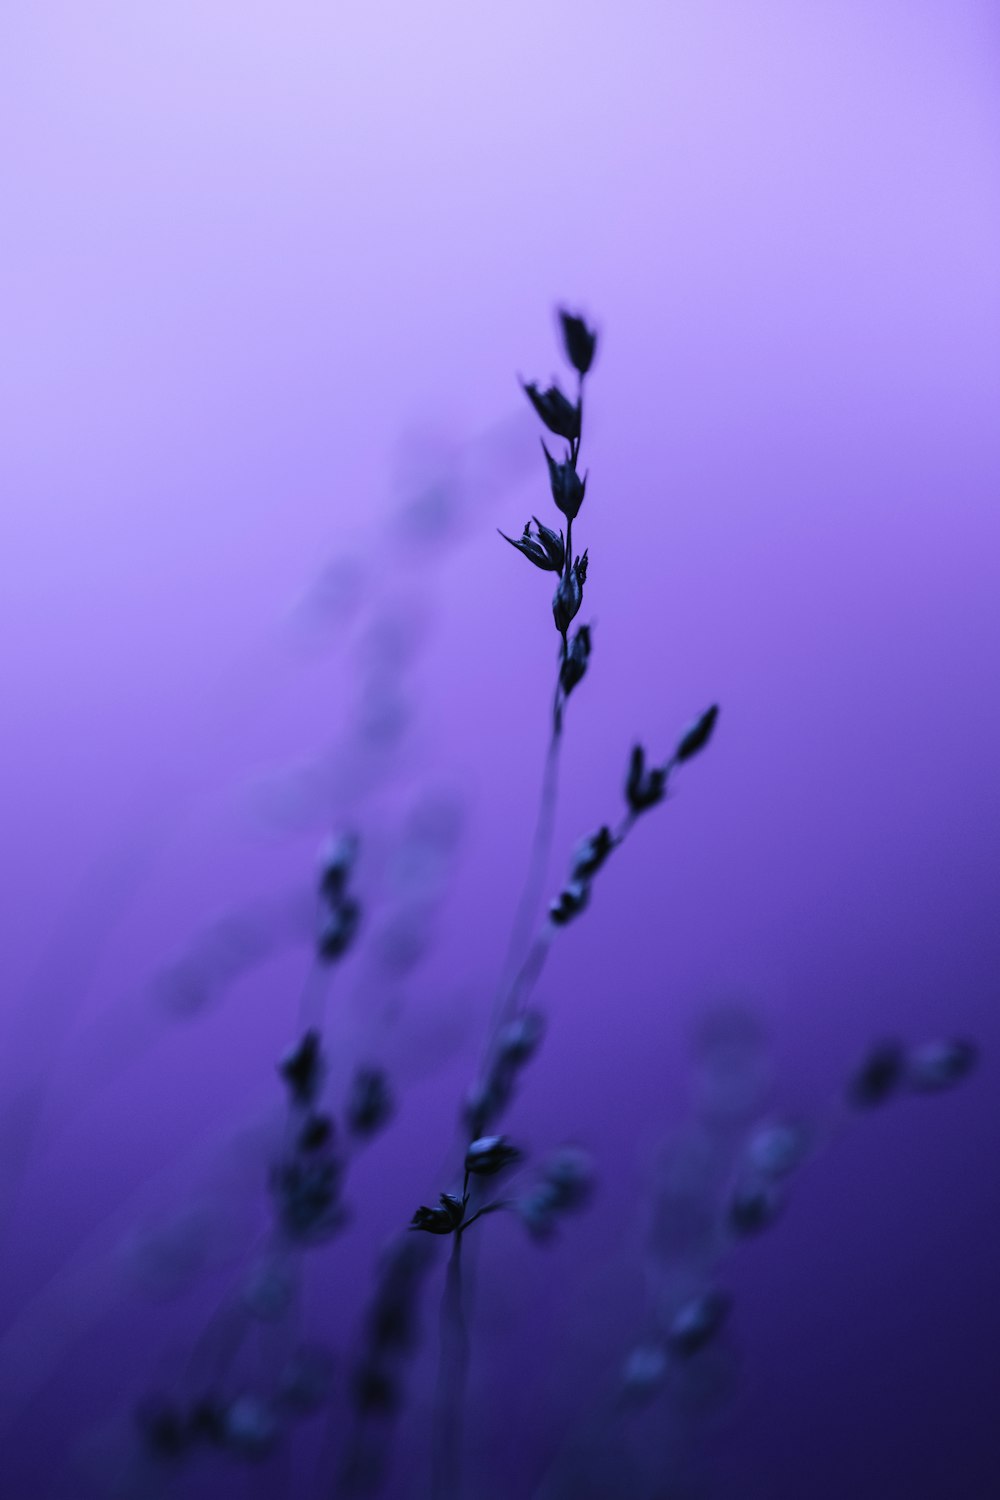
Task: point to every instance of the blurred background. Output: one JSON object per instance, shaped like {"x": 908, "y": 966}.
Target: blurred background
{"x": 270, "y": 274}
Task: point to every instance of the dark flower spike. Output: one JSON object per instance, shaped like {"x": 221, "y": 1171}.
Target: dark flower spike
{"x": 644, "y": 789}
{"x": 579, "y": 340}
{"x": 371, "y": 1104}
{"x": 532, "y": 549}
{"x": 698, "y": 736}
{"x": 879, "y": 1076}
{"x": 443, "y": 1220}
{"x": 302, "y": 1068}
{"x": 574, "y": 666}
{"x": 489, "y": 1155}
{"x": 560, "y": 415}
{"x": 941, "y": 1065}
{"x": 568, "y": 489}
{"x": 569, "y": 903}
{"x": 591, "y": 853}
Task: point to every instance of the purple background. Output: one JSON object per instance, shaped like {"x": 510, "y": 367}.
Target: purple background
{"x": 269, "y": 273}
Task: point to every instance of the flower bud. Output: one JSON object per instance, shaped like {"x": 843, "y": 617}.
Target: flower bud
{"x": 545, "y": 556}
{"x": 568, "y": 489}
{"x": 302, "y": 1068}
{"x": 569, "y": 903}
{"x": 569, "y": 595}
{"x": 569, "y": 1173}
{"x": 520, "y": 1038}
{"x": 940, "y": 1065}
{"x": 249, "y": 1427}
{"x": 644, "y": 1372}
{"x": 336, "y": 863}
{"x": 753, "y": 1207}
{"x": 370, "y": 1104}
{"x": 879, "y": 1076}
{"x": 579, "y": 340}
{"x": 574, "y": 666}
{"x": 591, "y": 853}
{"x": 338, "y": 930}
{"x": 697, "y": 736}
{"x": 697, "y": 1322}
{"x": 560, "y": 415}
{"x": 489, "y": 1155}
{"x": 443, "y": 1220}
{"x": 644, "y": 789}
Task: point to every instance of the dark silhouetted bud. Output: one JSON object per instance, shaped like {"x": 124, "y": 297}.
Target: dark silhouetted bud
{"x": 753, "y": 1207}
{"x": 162, "y": 1428}
{"x": 697, "y": 1322}
{"x": 941, "y": 1065}
{"x": 336, "y": 864}
{"x": 302, "y": 1068}
{"x": 316, "y": 1134}
{"x": 553, "y": 543}
{"x": 569, "y": 903}
{"x": 591, "y": 853}
{"x": 520, "y": 1038}
{"x": 569, "y": 1173}
{"x": 443, "y": 1220}
{"x": 644, "y": 1372}
{"x": 539, "y": 1211}
{"x": 308, "y": 1197}
{"x": 559, "y": 415}
{"x": 338, "y": 930}
{"x": 580, "y": 341}
{"x": 489, "y": 1155}
{"x": 775, "y": 1150}
{"x": 371, "y": 1104}
{"x": 644, "y": 789}
{"x": 568, "y": 489}
{"x": 249, "y": 1427}
{"x": 484, "y": 1101}
{"x": 536, "y": 551}
{"x": 375, "y": 1388}
{"x": 879, "y": 1076}
{"x": 207, "y": 1420}
{"x": 569, "y": 595}
{"x": 698, "y": 736}
{"x": 574, "y": 666}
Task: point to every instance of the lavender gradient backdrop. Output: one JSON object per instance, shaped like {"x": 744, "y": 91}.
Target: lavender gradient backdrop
{"x": 269, "y": 272}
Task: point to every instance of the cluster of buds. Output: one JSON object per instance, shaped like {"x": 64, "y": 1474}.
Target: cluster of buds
{"x": 891, "y": 1069}
{"x": 246, "y": 1426}
{"x": 340, "y": 911}
{"x": 487, "y": 1156}
{"x": 547, "y": 549}
{"x": 306, "y": 1183}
